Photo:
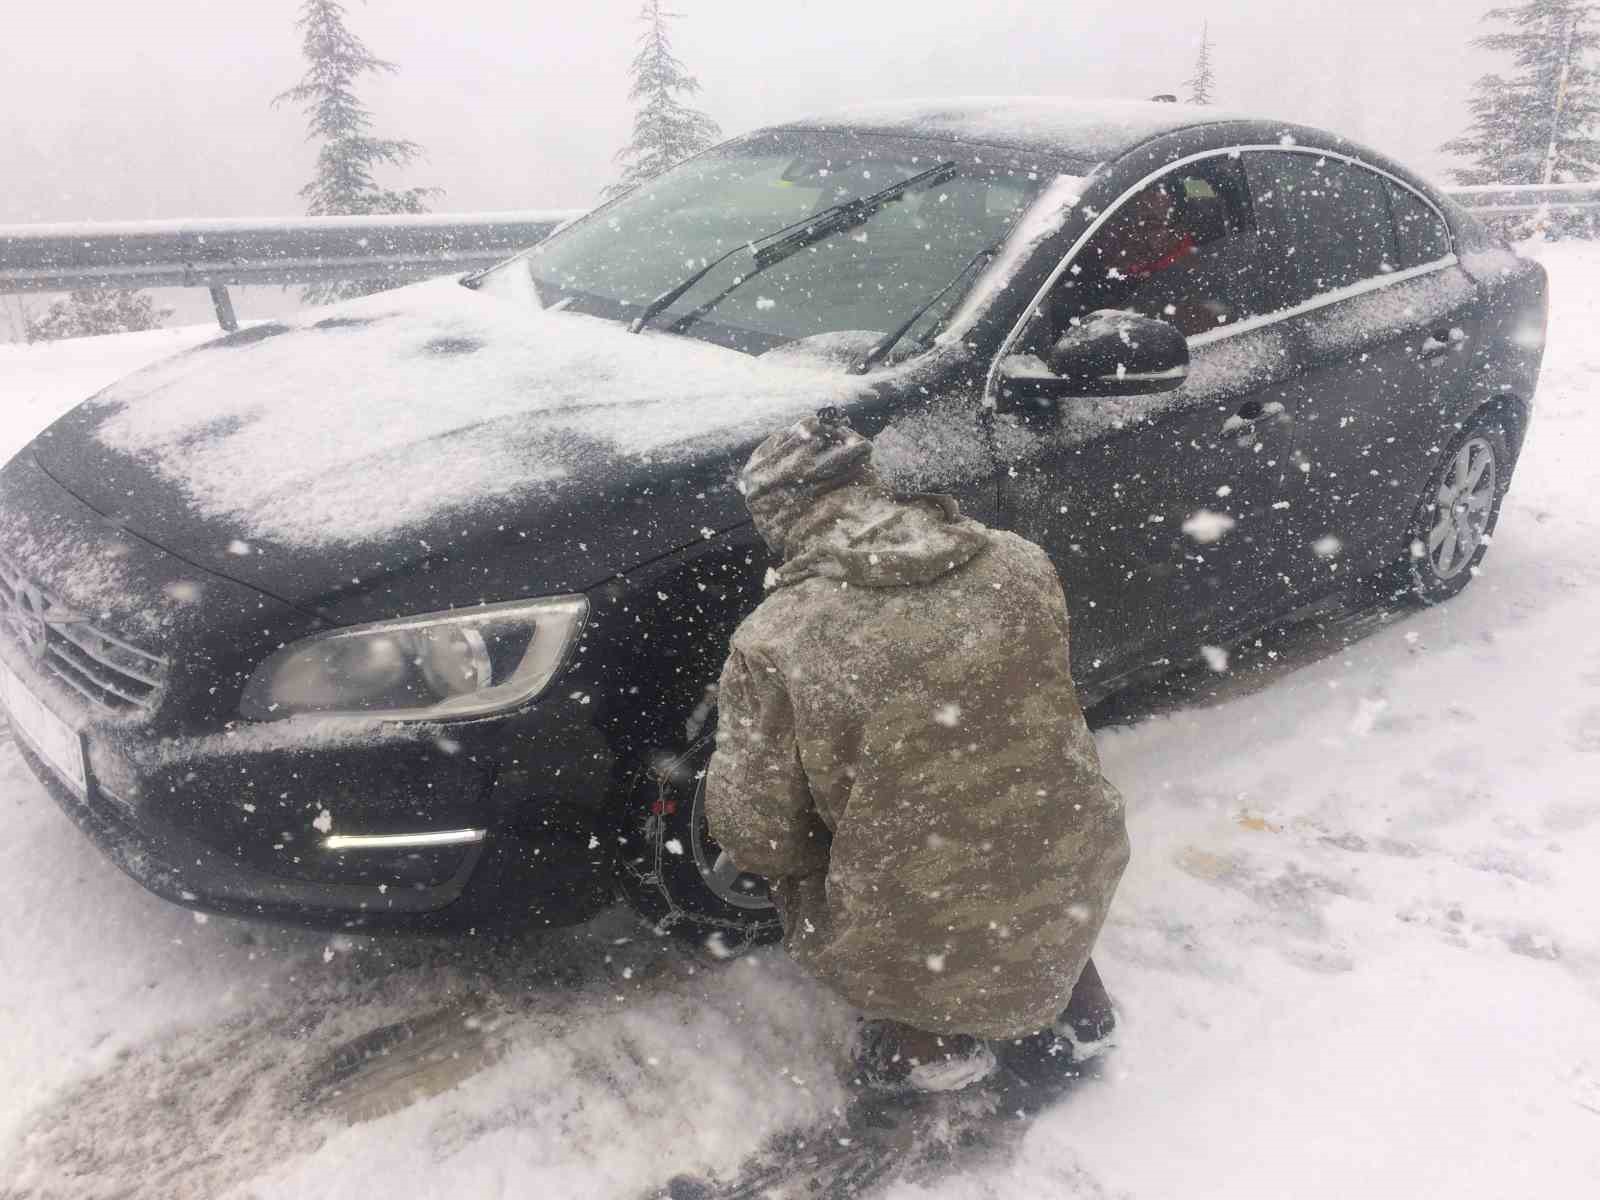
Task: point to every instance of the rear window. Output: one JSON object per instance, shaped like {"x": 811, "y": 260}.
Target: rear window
{"x": 1422, "y": 235}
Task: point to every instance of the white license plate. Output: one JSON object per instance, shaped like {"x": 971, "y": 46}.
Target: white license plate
{"x": 46, "y": 734}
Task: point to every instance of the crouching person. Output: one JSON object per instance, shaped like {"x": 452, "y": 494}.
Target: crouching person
{"x": 901, "y": 752}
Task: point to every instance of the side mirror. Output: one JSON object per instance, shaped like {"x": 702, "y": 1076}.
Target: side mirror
{"x": 1108, "y": 354}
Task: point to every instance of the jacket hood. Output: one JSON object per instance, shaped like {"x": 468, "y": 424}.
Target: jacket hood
{"x": 795, "y": 466}
{"x": 313, "y": 456}
{"x": 864, "y": 537}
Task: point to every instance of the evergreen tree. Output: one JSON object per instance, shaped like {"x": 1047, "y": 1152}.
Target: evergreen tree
{"x": 343, "y": 184}
{"x": 665, "y": 130}
{"x": 1202, "y": 84}
{"x": 89, "y": 312}
{"x": 1536, "y": 126}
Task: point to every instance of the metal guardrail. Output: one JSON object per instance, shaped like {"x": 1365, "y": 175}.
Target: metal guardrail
{"x": 303, "y": 250}
{"x": 202, "y": 253}
{"x": 218, "y": 253}
{"x": 1526, "y": 199}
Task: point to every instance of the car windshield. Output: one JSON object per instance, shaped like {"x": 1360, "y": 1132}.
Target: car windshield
{"x": 862, "y": 281}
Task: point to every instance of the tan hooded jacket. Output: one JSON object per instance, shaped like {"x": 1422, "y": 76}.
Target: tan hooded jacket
{"x": 900, "y": 749}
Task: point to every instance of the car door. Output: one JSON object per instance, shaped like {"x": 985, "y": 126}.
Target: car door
{"x": 1384, "y": 320}
{"x": 1158, "y": 511}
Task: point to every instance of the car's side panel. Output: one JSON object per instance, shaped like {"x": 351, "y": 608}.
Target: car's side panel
{"x": 1160, "y": 524}
{"x": 1159, "y": 513}
{"x": 1383, "y": 342}
{"x": 1501, "y": 329}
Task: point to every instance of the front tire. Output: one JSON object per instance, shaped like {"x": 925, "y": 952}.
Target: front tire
{"x": 676, "y": 876}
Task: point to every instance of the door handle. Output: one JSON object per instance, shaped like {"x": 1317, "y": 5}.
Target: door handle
{"x": 1441, "y": 341}
{"x": 1247, "y": 414}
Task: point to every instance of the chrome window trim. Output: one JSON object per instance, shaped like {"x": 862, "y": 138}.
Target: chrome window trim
{"x": 1338, "y": 295}
{"x": 1250, "y": 324}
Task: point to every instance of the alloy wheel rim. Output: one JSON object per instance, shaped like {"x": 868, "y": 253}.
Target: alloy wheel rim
{"x": 1462, "y": 509}
{"x": 726, "y": 881}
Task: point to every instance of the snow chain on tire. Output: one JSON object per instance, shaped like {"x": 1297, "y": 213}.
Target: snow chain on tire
{"x": 648, "y": 886}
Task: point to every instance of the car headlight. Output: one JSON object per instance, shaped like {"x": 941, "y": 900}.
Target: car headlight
{"x": 464, "y": 663}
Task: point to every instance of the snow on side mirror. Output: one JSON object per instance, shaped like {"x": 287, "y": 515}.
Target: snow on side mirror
{"x": 1108, "y": 353}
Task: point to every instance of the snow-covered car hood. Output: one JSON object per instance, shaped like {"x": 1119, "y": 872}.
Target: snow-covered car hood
{"x": 307, "y": 457}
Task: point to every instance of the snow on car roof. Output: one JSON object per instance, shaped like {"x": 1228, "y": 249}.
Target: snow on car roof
{"x": 1092, "y": 130}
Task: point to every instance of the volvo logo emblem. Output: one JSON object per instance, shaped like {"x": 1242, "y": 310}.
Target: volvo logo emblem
{"x": 30, "y": 620}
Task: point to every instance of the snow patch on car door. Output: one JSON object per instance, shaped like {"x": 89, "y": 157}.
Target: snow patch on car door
{"x": 1378, "y": 315}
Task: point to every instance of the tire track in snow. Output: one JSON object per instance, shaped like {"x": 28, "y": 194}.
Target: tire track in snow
{"x": 204, "y": 1108}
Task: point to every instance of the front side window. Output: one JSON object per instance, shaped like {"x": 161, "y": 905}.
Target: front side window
{"x": 1183, "y": 249}
{"x": 1327, "y": 220}
{"x": 865, "y": 280}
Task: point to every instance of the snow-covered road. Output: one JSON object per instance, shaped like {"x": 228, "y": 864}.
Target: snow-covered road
{"x": 1357, "y": 952}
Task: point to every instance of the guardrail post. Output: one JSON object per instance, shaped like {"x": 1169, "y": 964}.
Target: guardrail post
{"x": 223, "y": 303}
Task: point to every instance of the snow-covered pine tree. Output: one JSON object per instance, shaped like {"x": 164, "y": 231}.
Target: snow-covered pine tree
{"x": 1202, "y": 84}
{"x": 89, "y": 312}
{"x": 1537, "y": 125}
{"x": 343, "y": 184}
{"x": 665, "y": 130}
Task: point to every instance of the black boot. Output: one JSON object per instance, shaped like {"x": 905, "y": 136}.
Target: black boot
{"x": 892, "y": 1058}
{"x": 1053, "y": 1058}
{"x": 1088, "y": 1017}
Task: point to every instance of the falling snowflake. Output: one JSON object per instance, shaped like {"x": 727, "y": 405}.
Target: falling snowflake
{"x": 1207, "y": 526}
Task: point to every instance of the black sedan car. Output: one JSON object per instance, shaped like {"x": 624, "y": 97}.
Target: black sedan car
{"x": 409, "y": 612}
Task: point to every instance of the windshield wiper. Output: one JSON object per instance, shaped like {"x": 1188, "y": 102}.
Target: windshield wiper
{"x": 670, "y": 296}
{"x": 877, "y": 353}
{"x": 789, "y": 240}
{"x": 847, "y": 215}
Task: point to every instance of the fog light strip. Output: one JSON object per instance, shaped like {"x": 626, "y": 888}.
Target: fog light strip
{"x": 401, "y": 841}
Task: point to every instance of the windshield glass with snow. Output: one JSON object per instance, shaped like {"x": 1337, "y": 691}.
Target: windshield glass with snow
{"x": 862, "y": 281}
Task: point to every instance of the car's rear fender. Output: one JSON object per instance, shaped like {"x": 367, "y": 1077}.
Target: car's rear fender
{"x": 1515, "y": 313}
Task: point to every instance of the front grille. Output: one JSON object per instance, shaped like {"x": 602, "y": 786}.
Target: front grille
{"x": 105, "y": 670}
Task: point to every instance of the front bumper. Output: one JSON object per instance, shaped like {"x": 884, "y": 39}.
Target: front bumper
{"x": 543, "y": 860}
{"x": 232, "y": 817}
{"x": 191, "y": 873}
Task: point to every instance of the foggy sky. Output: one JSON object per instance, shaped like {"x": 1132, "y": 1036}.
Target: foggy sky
{"x": 109, "y": 111}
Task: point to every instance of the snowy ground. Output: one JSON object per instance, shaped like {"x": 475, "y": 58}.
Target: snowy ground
{"x": 1357, "y": 953}
{"x": 39, "y": 383}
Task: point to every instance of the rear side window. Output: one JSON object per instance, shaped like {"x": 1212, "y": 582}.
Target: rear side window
{"x": 1327, "y": 222}
{"x": 1422, "y": 235}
